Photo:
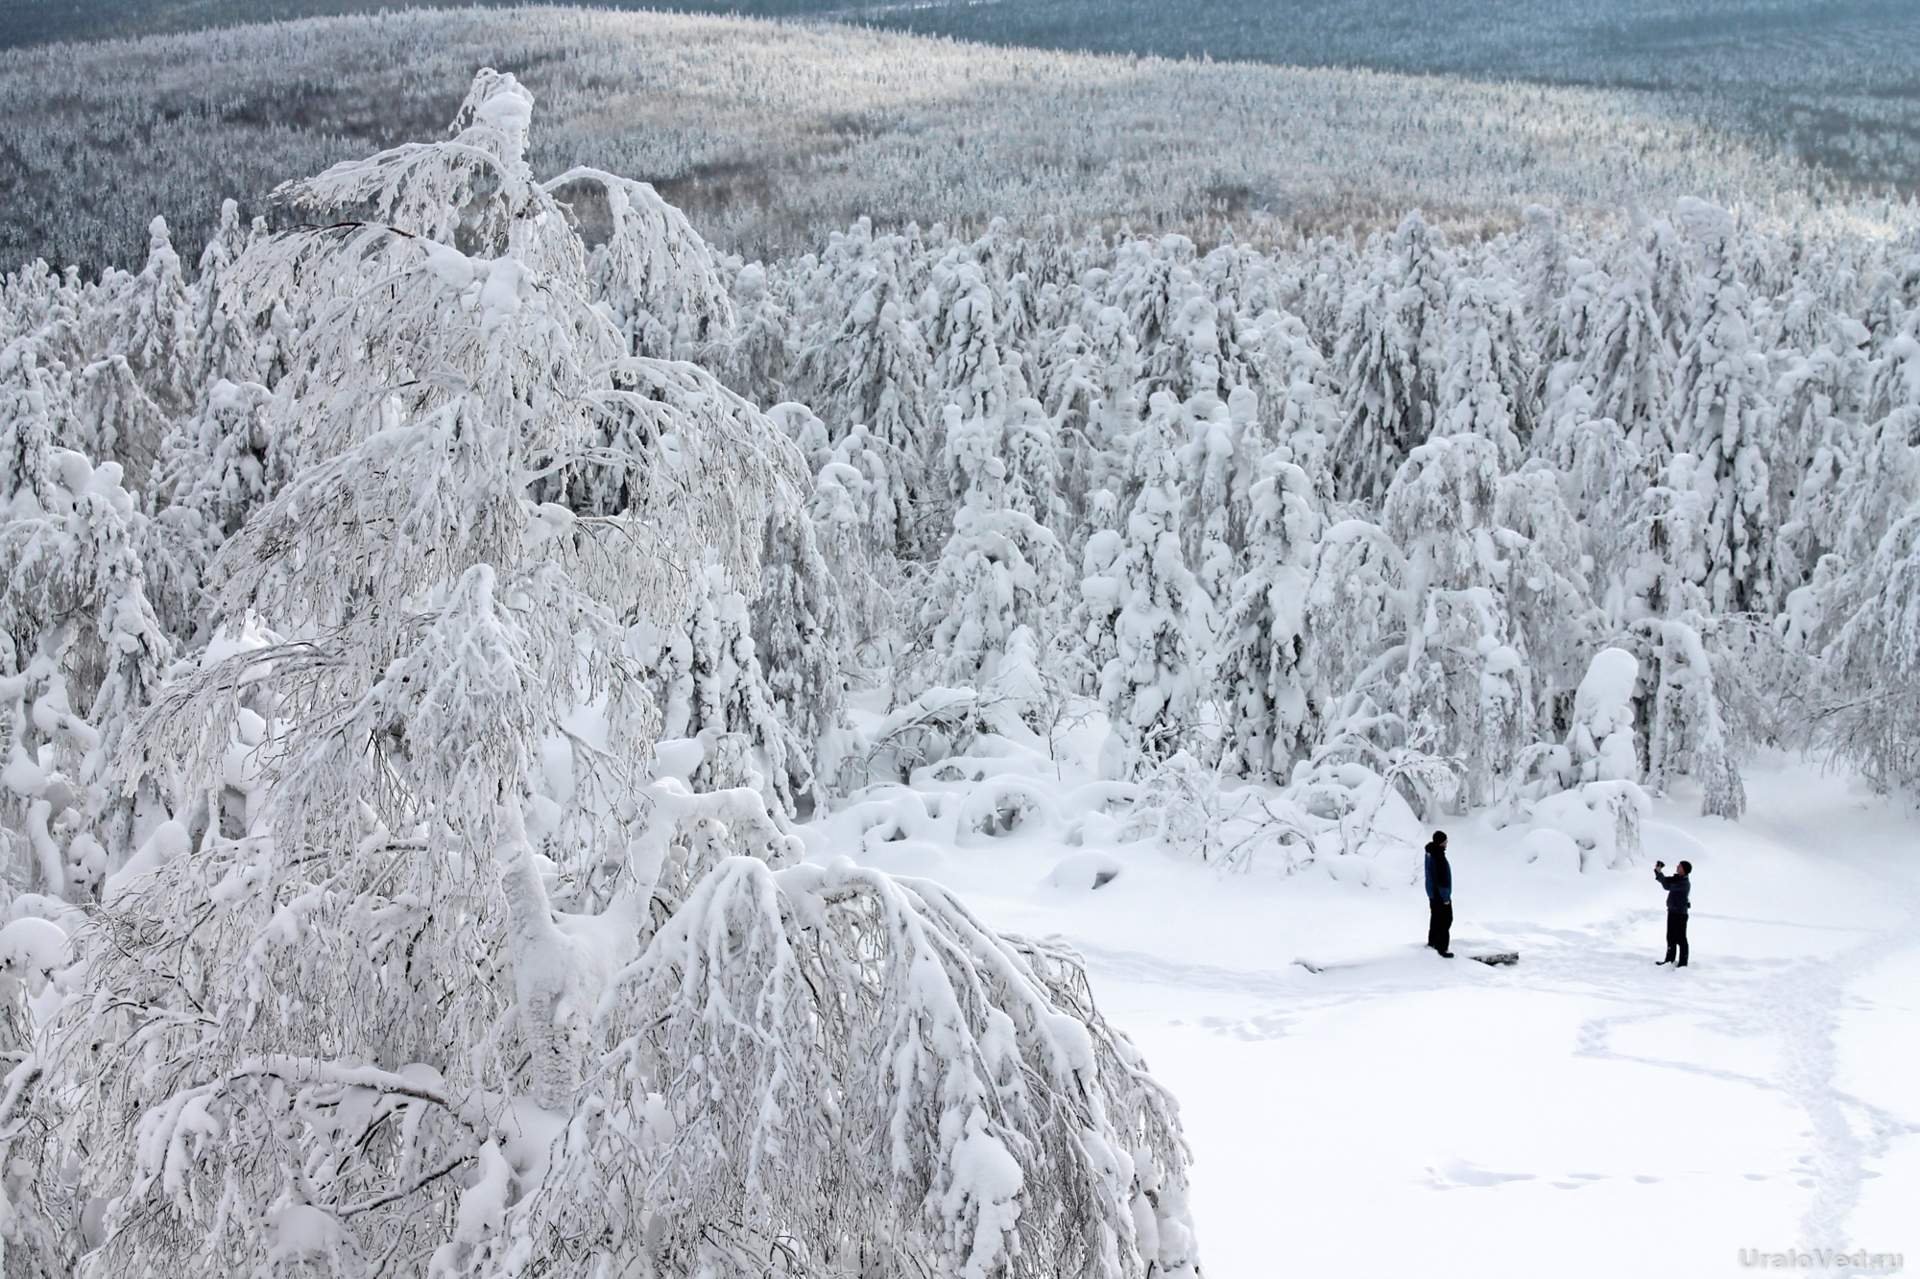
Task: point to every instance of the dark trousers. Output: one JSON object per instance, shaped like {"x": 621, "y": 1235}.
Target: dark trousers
{"x": 1677, "y": 936}
{"x": 1439, "y": 924}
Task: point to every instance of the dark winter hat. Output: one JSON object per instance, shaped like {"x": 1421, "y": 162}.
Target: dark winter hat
{"x": 1440, "y": 838}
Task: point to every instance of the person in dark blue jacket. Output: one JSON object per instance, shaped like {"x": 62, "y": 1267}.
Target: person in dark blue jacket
{"x": 1439, "y": 895}
{"x": 1679, "y": 886}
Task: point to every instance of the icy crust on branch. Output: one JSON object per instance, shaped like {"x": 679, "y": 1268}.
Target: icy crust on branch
{"x": 832, "y": 1026}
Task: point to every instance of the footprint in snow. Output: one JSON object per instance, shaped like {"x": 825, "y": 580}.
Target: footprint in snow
{"x": 1461, "y": 1173}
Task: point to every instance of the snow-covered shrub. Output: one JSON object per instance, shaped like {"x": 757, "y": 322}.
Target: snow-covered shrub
{"x": 1084, "y": 872}
{"x": 939, "y": 723}
{"x": 1602, "y": 819}
{"x": 999, "y": 806}
{"x": 1181, "y": 806}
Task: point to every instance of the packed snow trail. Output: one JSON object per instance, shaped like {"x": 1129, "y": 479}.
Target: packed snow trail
{"x": 1609, "y": 1117}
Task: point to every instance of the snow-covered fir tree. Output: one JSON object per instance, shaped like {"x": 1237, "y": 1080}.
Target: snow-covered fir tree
{"x": 1485, "y": 388}
{"x": 1382, "y": 413}
{"x": 1264, "y": 673}
{"x": 1462, "y": 693}
{"x": 1723, "y": 418}
{"x": 992, "y": 602}
{"x": 1160, "y": 624}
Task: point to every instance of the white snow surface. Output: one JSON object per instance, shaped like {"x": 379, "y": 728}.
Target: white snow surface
{"x": 1581, "y": 1113}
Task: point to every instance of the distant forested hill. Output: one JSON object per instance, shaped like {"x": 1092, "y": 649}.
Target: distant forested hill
{"x": 1836, "y": 80}
{"x": 1760, "y": 42}
{"x": 773, "y": 134}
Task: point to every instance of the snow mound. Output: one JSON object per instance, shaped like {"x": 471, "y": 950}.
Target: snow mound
{"x": 32, "y": 948}
{"x": 1084, "y": 871}
{"x": 1552, "y": 850}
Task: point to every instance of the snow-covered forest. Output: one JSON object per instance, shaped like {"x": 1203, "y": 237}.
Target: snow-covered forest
{"x": 434, "y": 612}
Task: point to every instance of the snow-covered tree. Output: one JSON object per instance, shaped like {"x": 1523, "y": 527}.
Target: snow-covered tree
{"x": 81, "y": 653}
{"x": 1545, "y": 583}
{"x": 804, "y": 624}
{"x": 1875, "y": 663}
{"x": 1423, "y": 269}
{"x": 1626, "y": 363}
{"x": 1091, "y": 390}
{"x": 1547, "y": 271}
{"x": 755, "y": 356}
{"x": 1485, "y": 387}
{"x": 1723, "y": 416}
{"x": 970, "y": 368}
{"x": 983, "y": 1120}
{"x": 646, "y": 264}
{"x": 711, "y": 684}
{"x": 1030, "y": 454}
{"x": 1817, "y": 443}
{"x": 1663, "y": 562}
{"x": 215, "y": 469}
{"x": 1193, "y": 357}
{"x": 152, "y": 326}
{"x": 1150, "y": 687}
{"x": 1598, "y": 468}
{"x": 1461, "y": 689}
{"x": 1687, "y": 731}
{"x": 866, "y": 362}
{"x": 1091, "y": 622}
{"x": 1382, "y": 415}
{"x": 1895, "y": 381}
{"x": 1221, "y": 446}
{"x": 1297, "y": 402}
{"x": 1264, "y": 669}
{"x": 114, "y": 418}
{"x": 992, "y": 600}
{"x": 223, "y": 340}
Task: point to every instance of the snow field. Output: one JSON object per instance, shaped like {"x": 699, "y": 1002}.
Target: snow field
{"x": 1584, "y": 1113}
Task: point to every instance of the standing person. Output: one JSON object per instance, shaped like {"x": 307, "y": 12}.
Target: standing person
{"x": 1439, "y": 895}
{"x": 1679, "y": 886}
